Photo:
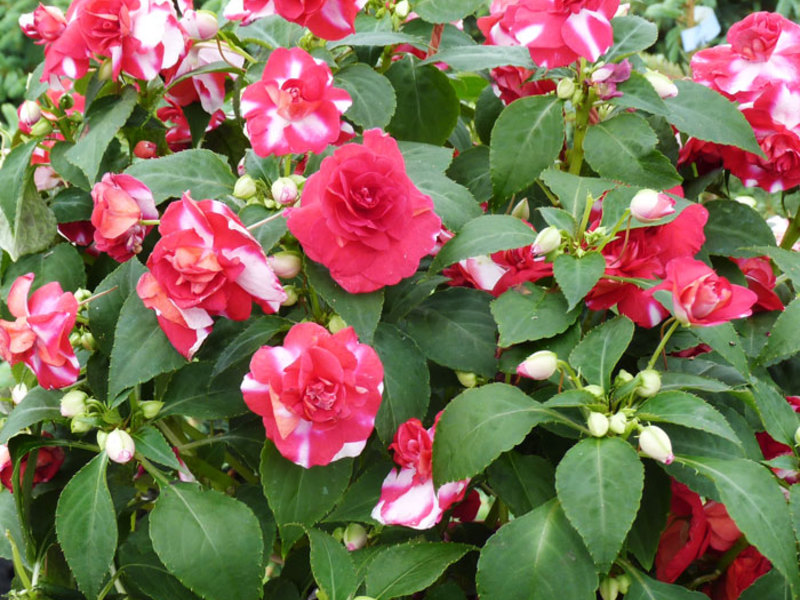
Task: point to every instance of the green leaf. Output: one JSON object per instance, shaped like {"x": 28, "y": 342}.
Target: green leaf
{"x": 452, "y": 202}
{"x": 424, "y": 157}
{"x": 631, "y": 34}
{"x": 209, "y": 541}
{"x": 104, "y": 312}
{"x": 784, "y": 340}
{"x": 599, "y": 483}
{"x": 755, "y": 502}
{"x": 141, "y": 350}
{"x": 645, "y": 534}
{"x": 9, "y": 522}
{"x": 671, "y": 380}
{"x": 559, "y": 218}
{"x": 725, "y": 341}
{"x": 531, "y": 314}
{"x": 489, "y": 420}
{"x": 600, "y": 350}
{"x": 72, "y": 204}
{"x": 195, "y": 392}
{"x": 427, "y": 105}
{"x": 201, "y": 172}
{"x": 538, "y": 556}
{"x": 104, "y": 119}
{"x": 732, "y": 227}
{"x": 777, "y": 415}
{"x": 646, "y": 588}
{"x": 152, "y": 445}
{"x": 87, "y": 526}
{"x": 701, "y": 112}
{"x": 445, "y": 11}
{"x": 244, "y": 345}
{"x": 522, "y": 481}
{"x": 687, "y": 410}
{"x": 373, "y": 96}
{"x": 577, "y": 275}
{"x": 487, "y": 110}
{"x": 39, "y": 405}
{"x": 274, "y": 31}
{"x": 471, "y": 169}
{"x": 526, "y": 139}
{"x": 773, "y": 585}
{"x": 573, "y": 190}
{"x": 361, "y": 496}
{"x": 26, "y": 223}
{"x": 455, "y": 329}
{"x": 267, "y": 234}
{"x": 66, "y": 169}
{"x": 403, "y": 297}
{"x": 477, "y": 58}
{"x": 362, "y": 311}
{"x": 406, "y": 379}
{"x": 331, "y": 565}
{"x": 61, "y": 263}
{"x": 378, "y": 38}
{"x": 639, "y": 93}
{"x": 407, "y": 568}
{"x": 623, "y": 148}
{"x": 484, "y": 235}
{"x": 253, "y": 496}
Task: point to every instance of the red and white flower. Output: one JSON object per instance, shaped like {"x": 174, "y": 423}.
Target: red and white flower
{"x": 208, "y": 88}
{"x": 328, "y": 19}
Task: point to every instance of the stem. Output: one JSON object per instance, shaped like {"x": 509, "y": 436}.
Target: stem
{"x": 553, "y": 200}
{"x": 587, "y": 212}
{"x": 792, "y": 232}
{"x": 581, "y": 124}
{"x": 19, "y": 567}
{"x": 258, "y": 224}
{"x": 147, "y": 222}
{"x": 154, "y": 472}
{"x": 662, "y": 344}
{"x": 436, "y": 38}
{"x": 624, "y": 244}
{"x": 613, "y": 233}
{"x": 96, "y": 296}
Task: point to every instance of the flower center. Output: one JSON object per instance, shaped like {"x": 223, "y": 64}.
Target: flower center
{"x": 364, "y": 197}
{"x": 320, "y": 394}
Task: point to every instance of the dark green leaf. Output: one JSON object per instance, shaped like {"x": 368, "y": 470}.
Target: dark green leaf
{"x": 9, "y": 522}
{"x": 639, "y": 93}
{"x": 773, "y": 585}
{"x": 373, "y": 96}
{"x": 362, "y": 496}
{"x": 784, "y": 339}
{"x": 39, "y": 405}
{"x": 645, "y": 535}
{"x": 522, "y": 481}
{"x": 476, "y": 58}
{"x": 244, "y": 345}
{"x": 452, "y": 202}
{"x": 646, "y": 588}
{"x": 631, "y": 34}
{"x": 687, "y": 410}
{"x": 424, "y": 157}
{"x": 72, "y": 204}
{"x": 531, "y": 314}
{"x": 732, "y": 227}
{"x": 193, "y": 393}
{"x": 787, "y": 261}
{"x": 446, "y": 11}
{"x": 777, "y": 415}
{"x": 332, "y": 567}
{"x": 268, "y": 234}
{"x": 61, "y": 263}
{"x": 407, "y": 294}
{"x": 471, "y": 169}
{"x": 152, "y": 445}
{"x": 104, "y": 312}
{"x": 559, "y": 218}
{"x": 725, "y": 341}
{"x": 573, "y": 190}
{"x": 577, "y": 275}
{"x": 65, "y": 168}
{"x": 600, "y": 350}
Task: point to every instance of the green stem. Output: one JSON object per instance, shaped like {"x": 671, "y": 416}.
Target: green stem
{"x": 581, "y": 124}
{"x": 153, "y": 471}
{"x": 662, "y": 344}
{"x": 258, "y": 224}
{"x": 553, "y": 200}
{"x": 792, "y": 232}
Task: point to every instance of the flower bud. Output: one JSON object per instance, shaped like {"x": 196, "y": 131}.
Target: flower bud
{"x": 521, "y": 210}
{"x": 648, "y": 206}
{"x": 595, "y": 390}
{"x": 82, "y": 294}
{"x": 18, "y": 393}
{"x": 539, "y": 365}
{"x": 145, "y": 149}
{"x": 597, "y": 424}
{"x": 66, "y": 101}
{"x": 622, "y": 378}
{"x": 618, "y": 423}
{"x": 654, "y": 442}
{"x": 747, "y": 201}
{"x": 199, "y": 24}
{"x": 74, "y": 339}
{"x": 336, "y": 324}
{"x": 284, "y": 191}
{"x": 73, "y": 403}
{"x": 245, "y": 187}
{"x": 29, "y": 113}
{"x": 649, "y": 383}
{"x": 796, "y": 431}
{"x": 88, "y": 342}
{"x": 106, "y": 71}
{"x": 286, "y": 265}
{"x": 81, "y": 424}
{"x": 102, "y": 436}
{"x": 151, "y": 408}
{"x": 401, "y": 9}
{"x": 119, "y": 446}
{"x": 547, "y": 240}
{"x": 663, "y": 85}
{"x": 624, "y": 583}
{"x": 41, "y": 128}
{"x": 354, "y": 537}
{"x": 609, "y": 589}
{"x": 565, "y": 88}
{"x": 467, "y": 379}
{"x": 291, "y": 295}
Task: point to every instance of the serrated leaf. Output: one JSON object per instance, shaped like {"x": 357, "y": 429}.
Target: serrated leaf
{"x": 104, "y": 311}
{"x": 687, "y": 410}
{"x": 773, "y": 585}
{"x": 331, "y": 565}
{"x": 631, "y": 34}
{"x": 777, "y": 415}
{"x": 61, "y": 263}
{"x": 484, "y": 235}
{"x": 527, "y": 559}
{"x": 407, "y": 568}
{"x": 646, "y": 588}
{"x": 267, "y": 234}
{"x": 37, "y": 406}
{"x": 600, "y": 350}
{"x": 573, "y": 190}
{"x": 201, "y": 172}
{"x": 87, "y": 526}
{"x": 194, "y": 392}
{"x": 373, "y": 96}
{"x": 422, "y": 157}
{"x": 445, "y": 11}
{"x": 559, "y": 218}
{"x": 406, "y": 379}
{"x": 577, "y": 275}
{"x": 244, "y": 345}
{"x": 732, "y": 227}
{"x": 68, "y": 171}
{"x": 378, "y": 38}
{"x": 403, "y": 297}
{"x": 645, "y": 534}
{"x": 599, "y": 483}
{"x": 531, "y": 314}
{"x": 522, "y": 481}
{"x": 725, "y": 341}
{"x": 454, "y": 203}
{"x": 152, "y": 445}
{"x": 678, "y": 381}
{"x": 471, "y": 169}
{"x": 784, "y": 340}
{"x": 362, "y": 495}
{"x": 190, "y": 526}
{"x": 526, "y": 139}
{"x": 476, "y": 58}
{"x": 638, "y": 93}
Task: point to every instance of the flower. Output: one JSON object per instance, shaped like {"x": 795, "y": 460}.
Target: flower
{"x": 539, "y": 365}
{"x": 328, "y": 19}
{"x": 748, "y": 566}
{"x": 179, "y": 135}
{"x": 39, "y": 336}
{"x": 48, "y": 462}
{"x": 648, "y": 206}
{"x": 701, "y": 297}
{"x": 44, "y": 24}
{"x": 208, "y": 88}
{"x": 119, "y": 446}
{"x": 318, "y": 393}
{"x": 121, "y": 202}
{"x": 761, "y": 279}
{"x": 294, "y": 108}
{"x": 408, "y": 496}
{"x": 686, "y": 536}
{"x": 363, "y": 218}
{"x": 199, "y": 24}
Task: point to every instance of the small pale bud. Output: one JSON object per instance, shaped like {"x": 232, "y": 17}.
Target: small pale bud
{"x": 354, "y": 537}
{"x": 41, "y": 128}
{"x": 467, "y": 379}
{"x": 75, "y": 339}
{"x": 401, "y": 9}
{"x": 284, "y": 191}
{"x": 597, "y": 424}
{"x": 73, "y": 403}
{"x": 120, "y": 446}
{"x": 88, "y": 342}
{"x": 245, "y": 187}
{"x": 595, "y": 390}
{"x": 336, "y": 324}
{"x": 602, "y": 73}
{"x": 286, "y": 265}
{"x": 291, "y": 295}
{"x": 539, "y": 365}
{"x": 81, "y": 424}
{"x": 521, "y": 210}
{"x": 655, "y": 443}
{"x": 624, "y": 583}
{"x": 796, "y": 433}
{"x": 18, "y": 393}
{"x": 648, "y": 206}
{"x": 663, "y": 85}
{"x": 82, "y": 294}
{"x": 199, "y": 24}
{"x": 29, "y": 113}
{"x": 622, "y": 378}
{"x": 649, "y": 383}
{"x": 151, "y": 408}
{"x": 547, "y": 240}
{"x": 102, "y": 436}
{"x": 106, "y": 71}
{"x": 565, "y": 88}
{"x": 609, "y": 589}
{"x": 145, "y": 149}
{"x": 618, "y": 423}
{"x": 746, "y": 200}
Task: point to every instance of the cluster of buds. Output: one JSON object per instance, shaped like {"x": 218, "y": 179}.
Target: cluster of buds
{"x": 611, "y": 587}
{"x": 620, "y": 423}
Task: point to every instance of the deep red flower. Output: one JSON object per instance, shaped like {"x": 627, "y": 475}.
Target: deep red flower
{"x": 48, "y": 462}
{"x": 686, "y": 536}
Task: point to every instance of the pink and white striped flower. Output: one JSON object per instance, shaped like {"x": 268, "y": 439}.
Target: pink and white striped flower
{"x": 294, "y": 108}
{"x": 328, "y": 19}
{"x": 208, "y": 88}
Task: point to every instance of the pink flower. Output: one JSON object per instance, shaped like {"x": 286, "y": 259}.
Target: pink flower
{"x": 701, "y": 297}
{"x": 318, "y": 393}
{"x": 328, "y": 19}
{"x": 363, "y": 218}
{"x": 408, "y": 496}
{"x": 761, "y": 279}
{"x": 512, "y": 83}
{"x": 208, "y": 88}
{"x": 207, "y": 259}
{"x": 39, "y": 336}
{"x": 179, "y": 135}
{"x": 45, "y": 24}
{"x": 294, "y": 108}
{"x": 48, "y": 461}
{"x": 121, "y": 202}
{"x": 648, "y": 206}
{"x": 235, "y": 10}
{"x": 199, "y": 24}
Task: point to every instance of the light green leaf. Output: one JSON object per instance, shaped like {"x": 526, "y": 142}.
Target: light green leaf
{"x": 61, "y": 263}
{"x": 39, "y": 405}
{"x": 244, "y": 345}
{"x": 373, "y": 96}
{"x": 445, "y": 11}
{"x": 531, "y": 314}
{"x": 777, "y": 415}
{"x": 273, "y": 31}
{"x": 631, "y": 34}
{"x": 378, "y": 38}
{"x": 725, "y": 341}
{"x": 577, "y": 275}
{"x": 152, "y": 445}
{"x": 646, "y": 588}
{"x": 573, "y": 190}
{"x": 104, "y": 312}
{"x": 332, "y": 566}
{"x": 600, "y": 350}
{"x": 476, "y": 58}
{"x": 267, "y": 234}
{"x": 640, "y": 94}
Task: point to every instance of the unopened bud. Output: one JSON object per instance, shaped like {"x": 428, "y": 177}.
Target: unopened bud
{"x": 401, "y": 9}
{"x": 106, "y": 71}
{"x": 354, "y": 537}
{"x": 539, "y": 365}
{"x": 618, "y": 423}
{"x": 597, "y": 424}
{"x": 145, "y": 149}
{"x": 609, "y": 589}
{"x": 75, "y": 339}
{"x": 29, "y": 113}
{"x": 655, "y": 443}
{"x": 624, "y": 583}
{"x": 18, "y": 393}
{"x": 595, "y": 390}
{"x": 286, "y": 265}
{"x": 120, "y": 446}
{"x": 199, "y": 24}
{"x": 245, "y": 187}
{"x": 796, "y": 431}
{"x": 521, "y": 210}
{"x": 41, "y": 128}
{"x": 663, "y": 85}
{"x": 336, "y": 324}
{"x": 622, "y": 378}
{"x": 81, "y": 424}
{"x": 649, "y": 383}
{"x": 102, "y": 436}
{"x": 547, "y": 240}
{"x": 648, "y": 206}
{"x": 467, "y": 379}
{"x": 746, "y": 200}
{"x": 88, "y": 342}
{"x": 73, "y": 403}
{"x": 151, "y": 408}
{"x": 565, "y": 88}
{"x": 291, "y": 295}
{"x": 82, "y": 294}
{"x": 284, "y": 191}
